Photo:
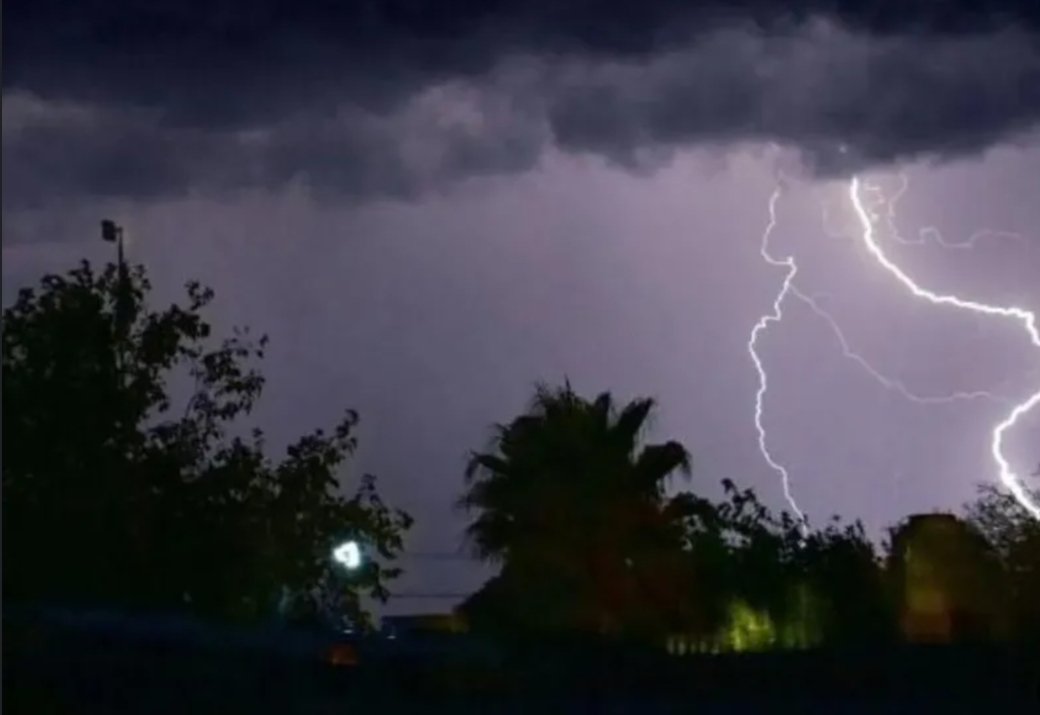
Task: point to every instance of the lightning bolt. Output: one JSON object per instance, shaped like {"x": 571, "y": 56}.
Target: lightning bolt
{"x": 775, "y": 316}
{"x": 1028, "y": 320}
{"x": 925, "y": 235}
{"x": 790, "y": 288}
{"x": 885, "y": 381}
{"x": 931, "y": 232}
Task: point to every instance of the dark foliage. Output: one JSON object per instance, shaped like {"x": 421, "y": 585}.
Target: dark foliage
{"x": 572, "y": 504}
{"x": 573, "y": 507}
{"x": 115, "y": 491}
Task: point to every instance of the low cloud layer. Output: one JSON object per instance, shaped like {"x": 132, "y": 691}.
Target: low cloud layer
{"x": 133, "y": 100}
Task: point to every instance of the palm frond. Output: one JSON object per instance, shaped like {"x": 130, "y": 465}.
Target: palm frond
{"x": 632, "y": 419}
{"x": 657, "y": 462}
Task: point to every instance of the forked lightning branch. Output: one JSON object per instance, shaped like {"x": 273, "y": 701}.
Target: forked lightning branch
{"x": 867, "y": 220}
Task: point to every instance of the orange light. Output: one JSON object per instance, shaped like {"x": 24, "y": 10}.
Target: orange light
{"x": 341, "y": 654}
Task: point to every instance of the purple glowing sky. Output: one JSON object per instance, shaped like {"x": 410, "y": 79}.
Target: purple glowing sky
{"x": 434, "y": 327}
{"x": 434, "y": 314}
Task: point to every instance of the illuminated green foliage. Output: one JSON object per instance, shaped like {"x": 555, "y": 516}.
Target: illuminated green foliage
{"x": 748, "y": 629}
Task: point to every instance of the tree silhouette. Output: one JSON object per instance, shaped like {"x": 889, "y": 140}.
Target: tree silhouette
{"x": 116, "y": 491}
{"x": 802, "y": 588}
{"x": 1015, "y": 535}
{"x": 844, "y": 571}
{"x": 571, "y": 503}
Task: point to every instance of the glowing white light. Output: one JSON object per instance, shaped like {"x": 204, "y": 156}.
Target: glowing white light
{"x": 1028, "y": 320}
{"x": 348, "y": 555}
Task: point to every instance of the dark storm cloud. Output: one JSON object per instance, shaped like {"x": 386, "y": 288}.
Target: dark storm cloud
{"x": 133, "y": 49}
{"x": 144, "y": 98}
{"x": 844, "y": 100}
{"x": 113, "y": 153}
{"x": 55, "y": 151}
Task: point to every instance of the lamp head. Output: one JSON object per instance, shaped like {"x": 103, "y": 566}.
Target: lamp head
{"x": 109, "y": 230}
{"x": 348, "y": 555}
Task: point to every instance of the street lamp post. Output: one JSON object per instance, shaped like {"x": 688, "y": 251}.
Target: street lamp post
{"x": 111, "y": 232}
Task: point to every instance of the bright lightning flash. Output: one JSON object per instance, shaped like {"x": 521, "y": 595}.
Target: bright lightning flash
{"x": 790, "y": 288}
{"x": 764, "y": 322}
{"x": 1028, "y": 320}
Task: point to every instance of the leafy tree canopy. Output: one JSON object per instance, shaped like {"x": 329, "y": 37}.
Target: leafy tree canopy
{"x": 815, "y": 585}
{"x": 116, "y": 491}
{"x": 1015, "y": 535}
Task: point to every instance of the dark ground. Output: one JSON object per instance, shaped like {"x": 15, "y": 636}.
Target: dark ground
{"x": 48, "y": 672}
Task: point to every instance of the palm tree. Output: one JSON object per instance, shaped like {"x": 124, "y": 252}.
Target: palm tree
{"x": 572, "y": 504}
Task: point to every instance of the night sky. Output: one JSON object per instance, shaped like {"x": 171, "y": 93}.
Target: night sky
{"x": 430, "y": 206}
